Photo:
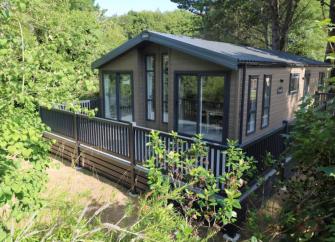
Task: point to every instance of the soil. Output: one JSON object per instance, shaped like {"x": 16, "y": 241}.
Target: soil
{"x": 89, "y": 189}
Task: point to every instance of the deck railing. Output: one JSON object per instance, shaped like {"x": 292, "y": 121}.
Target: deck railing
{"x": 129, "y": 142}
{"x": 87, "y": 104}
{"x": 123, "y": 139}
{"x": 322, "y": 98}
{"x": 273, "y": 143}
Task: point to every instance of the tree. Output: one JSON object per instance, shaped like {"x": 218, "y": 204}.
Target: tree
{"x": 330, "y": 48}
{"x": 264, "y": 23}
{"x": 46, "y": 48}
{"x": 175, "y": 22}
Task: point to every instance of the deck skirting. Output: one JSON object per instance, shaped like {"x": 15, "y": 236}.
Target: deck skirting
{"x": 112, "y": 167}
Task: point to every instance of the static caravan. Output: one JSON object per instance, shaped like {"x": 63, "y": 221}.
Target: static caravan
{"x": 168, "y": 82}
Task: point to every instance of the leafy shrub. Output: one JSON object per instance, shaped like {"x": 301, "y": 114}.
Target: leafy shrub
{"x": 175, "y": 178}
{"x": 307, "y": 212}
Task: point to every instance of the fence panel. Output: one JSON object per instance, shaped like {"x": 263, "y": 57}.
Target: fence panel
{"x": 215, "y": 159}
{"x": 114, "y": 137}
{"x": 273, "y": 143}
{"x": 88, "y": 104}
{"x": 322, "y": 98}
{"x": 104, "y": 134}
{"x": 60, "y": 122}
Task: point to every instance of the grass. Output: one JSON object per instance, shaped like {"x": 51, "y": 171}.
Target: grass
{"x": 80, "y": 206}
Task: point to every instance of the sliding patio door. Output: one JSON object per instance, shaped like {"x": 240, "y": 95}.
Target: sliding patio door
{"x": 118, "y": 96}
{"x": 188, "y": 104}
{"x": 125, "y": 96}
{"x": 110, "y": 95}
{"x": 201, "y": 106}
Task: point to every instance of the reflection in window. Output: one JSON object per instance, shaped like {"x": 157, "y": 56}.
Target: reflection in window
{"x": 307, "y": 81}
{"x": 321, "y": 82}
{"x": 201, "y": 106}
{"x": 110, "y": 95}
{"x": 118, "y": 96}
{"x": 212, "y": 97}
{"x": 188, "y": 104}
{"x": 150, "y": 80}
{"x": 252, "y": 104}
{"x": 266, "y": 101}
{"x": 165, "y": 87}
{"x": 294, "y": 83}
{"x": 126, "y": 112}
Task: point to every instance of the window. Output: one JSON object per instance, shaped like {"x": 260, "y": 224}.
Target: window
{"x": 252, "y": 104}
{"x": 125, "y": 98}
{"x": 165, "y": 88}
{"x": 201, "y": 105}
{"x": 307, "y": 82}
{"x": 321, "y": 82}
{"x": 118, "y": 96}
{"x": 150, "y": 86}
{"x": 294, "y": 83}
{"x": 266, "y": 101}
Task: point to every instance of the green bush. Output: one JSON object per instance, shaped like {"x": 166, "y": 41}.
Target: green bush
{"x": 175, "y": 178}
{"x": 307, "y": 212}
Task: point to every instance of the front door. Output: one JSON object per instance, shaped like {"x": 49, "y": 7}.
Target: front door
{"x": 118, "y": 96}
{"x": 201, "y": 105}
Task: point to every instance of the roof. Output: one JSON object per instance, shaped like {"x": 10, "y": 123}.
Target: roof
{"x": 226, "y": 54}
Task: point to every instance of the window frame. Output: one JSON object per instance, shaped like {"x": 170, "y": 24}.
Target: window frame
{"x": 153, "y": 86}
{"x": 296, "y": 91}
{"x": 249, "y": 104}
{"x": 263, "y": 99}
{"x": 162, "y": 83}
{"x": 117, "y": 90}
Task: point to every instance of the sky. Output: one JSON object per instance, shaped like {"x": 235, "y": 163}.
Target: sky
{"x": 120, "y": 7}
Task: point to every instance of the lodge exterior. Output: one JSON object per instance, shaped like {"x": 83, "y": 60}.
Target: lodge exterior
{"x": 167, "y": 82}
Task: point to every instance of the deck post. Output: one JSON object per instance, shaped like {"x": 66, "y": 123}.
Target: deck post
{"x": 76, "y": 138}
{"x": 131, "y": 149}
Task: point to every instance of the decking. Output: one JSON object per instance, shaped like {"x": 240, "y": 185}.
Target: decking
{"x": 118, "y": 150}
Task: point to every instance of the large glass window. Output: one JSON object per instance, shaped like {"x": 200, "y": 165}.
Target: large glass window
{"x": 201, "y": 106}
{"x": 118, "y": 96}
{"x": 188, "y": 104}
{"x": 212, "y": 96}
{"x": 126, "y": 111}
{"x": 150, "y": 83}
{"x": 294, "y": 83}
{"x": 252, "y": 104}
{"x": 321, "y": 82}
{"x": 307, "y": 82}
{"x": 110, "y": 95}
{"x": 266, "y": 101}
{"x": 165, "y": 87}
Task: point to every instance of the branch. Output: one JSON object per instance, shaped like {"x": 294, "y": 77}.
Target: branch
{"x": 22, "y": 52}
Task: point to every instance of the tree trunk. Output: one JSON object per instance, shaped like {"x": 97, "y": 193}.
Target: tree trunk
{"x": 275, "y": 24}
{"x": 282, "y": 18}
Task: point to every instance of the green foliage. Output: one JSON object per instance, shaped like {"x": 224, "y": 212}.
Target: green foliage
{"x": 176, "y": 22}
{"x": 312, "y": 195}
{"x": 250, "y": 23}
{"x": 45, "y": 51}
{"x": 305, "y": 38}
{"x": 66, "y": 219}
{"x": 308, "y": 199}
{"x": 175, "y": 176}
